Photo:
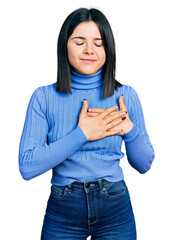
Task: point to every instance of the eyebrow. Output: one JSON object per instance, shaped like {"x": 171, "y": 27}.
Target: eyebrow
{"x": 85, "y": 38}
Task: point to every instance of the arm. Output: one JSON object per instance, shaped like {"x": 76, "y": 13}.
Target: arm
{"x": 35, "y": 156}
{"x": 139, "y": 150}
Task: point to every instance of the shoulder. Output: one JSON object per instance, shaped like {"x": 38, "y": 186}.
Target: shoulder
{"x": 130, "y": 95}
{"x": 126, "y": 89}
{"x": 48, "y": 88}
{"x": 40, "y": 94}
{"x": 43, "y": 91}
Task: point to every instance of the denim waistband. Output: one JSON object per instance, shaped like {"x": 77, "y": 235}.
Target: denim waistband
{"x": 91, "y": 185}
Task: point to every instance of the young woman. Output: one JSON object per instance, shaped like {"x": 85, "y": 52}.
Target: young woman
{"x": 76, "y": 127}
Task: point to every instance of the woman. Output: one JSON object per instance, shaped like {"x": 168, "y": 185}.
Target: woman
{"x": 76, "y": 127}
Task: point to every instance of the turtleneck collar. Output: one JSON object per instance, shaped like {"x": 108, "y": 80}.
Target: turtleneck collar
{"x": 86, "y": 82}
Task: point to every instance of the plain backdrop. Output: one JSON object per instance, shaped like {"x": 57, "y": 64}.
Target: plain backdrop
{"x": 28, "y": 59}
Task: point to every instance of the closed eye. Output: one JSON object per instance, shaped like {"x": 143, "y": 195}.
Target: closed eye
{"x": 79, "y": 44}
{"x": 97, "y": 45}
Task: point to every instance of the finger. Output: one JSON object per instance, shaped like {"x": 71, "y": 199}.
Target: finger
{"x": 121, "y": 103}
{"x": 114, "y": 123}
{"x": 120, "y": 132}
{"x": 115, "y": 115}
{"x": 113, "y": 132}
{"x": 84, "y": 107}
{"x": 96, "y": 110}
{"x": 92, "y": 114}
{"x": 108, "y": 111}
{"x": 99, "y": 110}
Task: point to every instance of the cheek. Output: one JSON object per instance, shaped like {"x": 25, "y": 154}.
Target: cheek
{"x": 102, "y": 56}
{"x": 70, "y": 57}
{"x": 73, "y": 54}
{"x": 70, "y": 54}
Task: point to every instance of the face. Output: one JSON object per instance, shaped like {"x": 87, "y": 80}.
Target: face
{"x": 86, "y": 52}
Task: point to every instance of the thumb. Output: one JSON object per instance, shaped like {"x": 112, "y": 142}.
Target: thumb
{"x": 121, "y": 103}
{"x": 84, "y": 106}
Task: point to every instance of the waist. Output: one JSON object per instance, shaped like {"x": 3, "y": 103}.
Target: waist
{"x": 69, "y": 171}
{"x": 88, "y": 185}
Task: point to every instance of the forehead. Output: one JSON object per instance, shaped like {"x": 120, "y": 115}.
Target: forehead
{"x": 89, "y": 29}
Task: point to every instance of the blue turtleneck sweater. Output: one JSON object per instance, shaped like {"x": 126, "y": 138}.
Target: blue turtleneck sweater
{"x": 51, "y": 138}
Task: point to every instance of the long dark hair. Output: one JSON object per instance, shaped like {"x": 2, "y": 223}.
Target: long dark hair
{"x": 78, "y": 16}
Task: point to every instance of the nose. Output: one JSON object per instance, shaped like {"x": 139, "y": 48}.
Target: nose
{"x": 88, "y": 49}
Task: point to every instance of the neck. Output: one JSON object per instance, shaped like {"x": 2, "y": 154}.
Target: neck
{"x": 84, "y": 82}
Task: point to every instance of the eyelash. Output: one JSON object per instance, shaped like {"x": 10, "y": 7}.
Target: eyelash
{"x": 79, "y": 44}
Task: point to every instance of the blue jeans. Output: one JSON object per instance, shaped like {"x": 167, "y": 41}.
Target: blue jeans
{"x": 98, "y": 208}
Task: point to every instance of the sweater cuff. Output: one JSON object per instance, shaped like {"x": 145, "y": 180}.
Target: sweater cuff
{"x": 131, "y": 135}
{"x": 79, "y": 134}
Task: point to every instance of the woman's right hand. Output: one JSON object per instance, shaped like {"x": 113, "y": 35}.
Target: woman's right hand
{"x": 97, "y": 127}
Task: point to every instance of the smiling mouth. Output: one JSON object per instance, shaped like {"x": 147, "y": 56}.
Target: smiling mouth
{"x": 88, "y": 60}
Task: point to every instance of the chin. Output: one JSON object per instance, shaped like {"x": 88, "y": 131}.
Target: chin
{"x": 87, "y": 71}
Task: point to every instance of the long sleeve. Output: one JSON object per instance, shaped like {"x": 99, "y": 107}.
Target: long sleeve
{"x": 35, "y": 155}
{"x": 139, "y": 150}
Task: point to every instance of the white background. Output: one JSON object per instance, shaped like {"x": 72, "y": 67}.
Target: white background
{"x": 28, "y": 43}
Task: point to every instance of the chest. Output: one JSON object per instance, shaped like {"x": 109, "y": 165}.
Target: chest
{"x": 63, "y": 113}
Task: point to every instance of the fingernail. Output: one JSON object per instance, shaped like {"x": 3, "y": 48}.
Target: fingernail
{"x": 123, "y": 118}
{"x": 122, "y": 95}
{"x": 84, "y": 100}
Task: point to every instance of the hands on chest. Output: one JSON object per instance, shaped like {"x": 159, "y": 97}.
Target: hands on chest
{"x": 97, "y": 123}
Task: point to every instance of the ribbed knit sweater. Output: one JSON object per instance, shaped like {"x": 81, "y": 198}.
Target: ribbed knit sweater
{"x": 52, "y": 139}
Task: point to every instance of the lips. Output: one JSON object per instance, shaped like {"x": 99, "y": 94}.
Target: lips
{"x": 87, "y": 60}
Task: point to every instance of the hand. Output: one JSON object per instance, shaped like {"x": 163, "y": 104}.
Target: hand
{"x": 126, "y": 125}
{"x": 98, "y": 126}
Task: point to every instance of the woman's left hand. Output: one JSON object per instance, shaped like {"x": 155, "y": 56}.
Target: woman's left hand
{"x": 126, "y": 125}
